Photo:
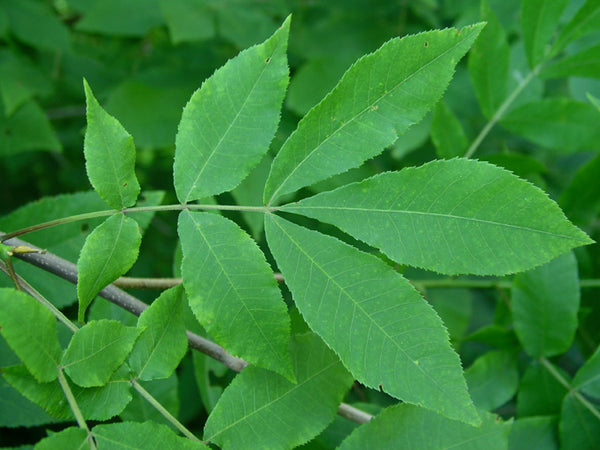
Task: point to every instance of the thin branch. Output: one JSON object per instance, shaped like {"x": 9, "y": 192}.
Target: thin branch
{"x": 160, "y": 283}
{"x": 68, "y": 271}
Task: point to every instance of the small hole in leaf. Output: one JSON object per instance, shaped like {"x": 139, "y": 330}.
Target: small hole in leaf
{"x": 426, "y": 44}
{"x": 85, "y": 227}
{"x": 268, "y": 60}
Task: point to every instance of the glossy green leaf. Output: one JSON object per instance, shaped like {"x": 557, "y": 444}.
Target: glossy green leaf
{"x": 382, "y": 329}
{"x": 97, "y": 350}
{"x": 227, "y": 125}
{"x": 109, "y": 156}
{"x": 232, "y": 291}
{"x": 586, "y": 63}
{"x": 162, "y": 344}
{"x": 545, "y": 302}
{"x": 407, "y": 426}
{"x": 456, "y": 216}
{"x": 493, "y": 379}
{"x": 376, "y": 101}
{"x": 534, "y": 432}
{"x": 109, "y": 252}
{"x": 560, "y": 124}
{"x": 585, "y": 21}
{"x": 97, "y": 403}
{"x": 447, "y": 133}
{"x": 26, "y": 130}
{"x": 540, "y": 393}
{"x": 188, "y": 20}
{"x": 67, "y": 439}
{"x": 261, "y": 409}
{"x": 587, "y": 378}
{"x": 579, "y": 428}
{"x": 539, "y": 19}
{"x": 488, "y": 63}
{"x": 141, "y": 436}
{"x": 30, "y": 330}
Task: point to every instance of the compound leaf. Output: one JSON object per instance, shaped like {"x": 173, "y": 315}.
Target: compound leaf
{"x": 227, "y": 125}
{"x": 97, "y": 350}
{"x": 163, "y": 343}
{"x": 141, "y": 436}
{"x": 538, "y": 22}
{"x": 109, "y": 156}
{"x": 30, "y": 330}
{"x": 456, "y": 216}
{"x": 109, "y": 251}
{"x": 382, "y": 329}
{"x": 376, "y": 101}
{"x": 232, "y": 291}
{"x": 407, "y": 426}
{"x": 287, "y": 414}
{"x": 545, "y": 302}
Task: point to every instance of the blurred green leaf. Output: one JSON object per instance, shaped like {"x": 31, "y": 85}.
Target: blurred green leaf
{"x": 579, "y": 427}
{"x": 188, "y": 20}
{"x": 164, "y": 391}
{"x": 585, "y": 21}
{"x": 539, "y": 19}
{"x": 540, "y": 394}
{"x": 534, "y": 432}
{"x": 30, "y": 330}
{"x": 17, "y": 411}
{"x": 493, "y": 379}
{"x": 545, "y": 301}
{"x": 97, "y": 350}
{"x": 586, "y": 63}
{"x": 447, "y": 133}
{"x": 587, "y": 378}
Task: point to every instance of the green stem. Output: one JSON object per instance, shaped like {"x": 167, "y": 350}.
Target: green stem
{"x": 135, "y": 209}
{"x": 161, "y": 409}
{"x": 64, "y": 384}
{"x": 501, "y": 110}
{"x": 563, "y": 381}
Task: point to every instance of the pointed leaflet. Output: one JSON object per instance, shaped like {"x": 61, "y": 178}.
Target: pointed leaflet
{"x": 587, "y": 20}
{"x": 545, "y": 302}
{"x": 376, "y": 100}
{"x": 586, "y": 63}
{"x": 109, "y": 156}
{"x": 538, "y": 22}
{"x": 232, "y": 291}
{"x": 30, "y": 330}
{"x": 97, "y": 350}
{"x": 579, "y": 427}
{"x": 488, "y": 63}
{"x": 385, "y": 333}
{"x": 587, "y": 378}
{"x": 286, "y": 414}
{"x": 162, "y": 344}
{"x": 457, "y": 216}
{"x": 109, "y": 252}
{"x": 447, "y": 133}
{"x": 407, "y": 426}
{"x": 228, "y": 123}
{"x": 141, "y": 436}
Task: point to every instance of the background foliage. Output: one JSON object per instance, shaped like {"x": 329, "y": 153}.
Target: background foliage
{"x": 530, "y": 83}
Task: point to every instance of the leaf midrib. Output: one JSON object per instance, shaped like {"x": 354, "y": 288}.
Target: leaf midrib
{"x": 351, "y": 120}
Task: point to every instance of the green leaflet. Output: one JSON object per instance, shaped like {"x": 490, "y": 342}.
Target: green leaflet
{"x": 539, "y": 19}
{"x": 18, "y": 411}
{"x": 162, "y": 344}
{"x": 69, "y": 438}
{"x": 376, "y": 100}
{"x": 540, "y": 393}
{"x": 407, "y": 426}
{"x": 30, "y": 330}
{"x": 447, "y": 133}
{"x": 587, "y": 20}
{"x": 488, "y": 63}
{"x": 261, "y": 409}
{"x": 541, "y": 430}
{"x": 456, "y": 216}
{"x": 227, "y": 125}
{"x": 587, "y": 378}
{"x": 97, "y": 403}
{"x": 561, "y": 124}
{"x": 545, "y": 302}
{"x": 141, "y": 436}
{"x": 232, "y": 291}
{"x": 109, "y": 252}
{"x": 109, "y": 156}
{"x": 188, "y": 20}
{"x": 493, "y": 379}
{"x": 586, "y": 63}
{"x": 97, "y": 350}
{"x": 578, "y": 427}
{"x": 382, "y": 329}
